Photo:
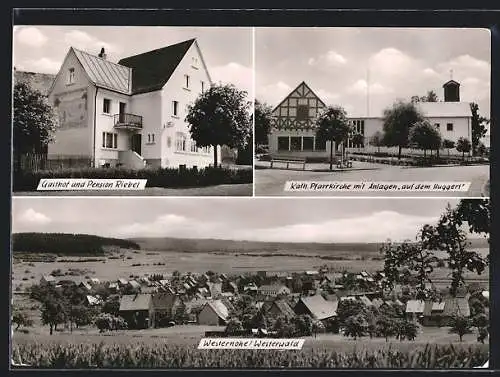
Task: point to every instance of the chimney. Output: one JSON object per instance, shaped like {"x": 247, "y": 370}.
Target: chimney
{"x": 102, "y": 54}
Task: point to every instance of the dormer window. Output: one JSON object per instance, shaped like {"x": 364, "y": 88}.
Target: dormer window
{"x": 71, "y": 76}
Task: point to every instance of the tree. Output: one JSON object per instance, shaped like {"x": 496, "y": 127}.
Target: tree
{"x": 460, "y": 325}
{"x": 333, "y": 126}
{"x": 81, "y": 315}
{"x": 112, "y": 305}
{"x": 21, "y": 318}
{"x": 478, "y": 127}
{"x": 377, "y": 140}
{"x": 464, "y": 146}
{"x": 349, "y": 308}
{"x": 431, "y": 96}
{"x": 407, "y": 329}
{"x": 233, "y": 326}
{"x": 425, "y": 136}
{"x": 220, "y": 116}
{"x": 398, "y": 121}
{"x": 54, "y": 312}
{"x": 284, "y": 327}
{"x": 386, "y": 326}
{"x": 448, "y": 235}
{"x": 448, "y": 144}
{"x": 358, "y": 140}
{"x": 34, "y": 121}
{"x": 303, "y": 325}
{"x": 263, "y": 116}
{"x": 355, "y": 326}
{"x": 476, "y": 213}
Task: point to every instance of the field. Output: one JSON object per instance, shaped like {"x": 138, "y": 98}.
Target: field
{"x": 176, "y": 348}
{"x": 139, "y": 262}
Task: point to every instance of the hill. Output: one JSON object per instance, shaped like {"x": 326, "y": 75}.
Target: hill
{"x": 66, "y": 244}
{"x": 230, "y": 246}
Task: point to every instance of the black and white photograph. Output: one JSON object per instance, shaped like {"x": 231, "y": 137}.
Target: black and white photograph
{"x": 372, "y": 105}
{"x": 171, "y": 105}
{"x": 137, "y": 282}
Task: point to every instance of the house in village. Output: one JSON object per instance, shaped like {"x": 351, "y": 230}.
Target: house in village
{"x": 165, "y": 306}
{"x": 93, "y": 300}
{"x": 293, "y": 132}
{"x": 137, "y": 310}
{"x": 273, "y": 290}
{"x": 440, "y": 313}
{"x": 130, "y": 113}
{"x": 316, "y": 307}
{"x": 415, "y": 309}
{"x": 278, "y": 308}
{"x": 48, "y": 280}
{"x": 213, "y": 313}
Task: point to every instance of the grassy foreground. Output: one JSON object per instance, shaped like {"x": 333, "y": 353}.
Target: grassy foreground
{"x": 144, "y": 355}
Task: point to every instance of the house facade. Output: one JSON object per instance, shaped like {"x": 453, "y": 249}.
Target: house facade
{"x": 130, "y": 113}
{"x": 293, "y": 132}
{"x": 213, "y": 313}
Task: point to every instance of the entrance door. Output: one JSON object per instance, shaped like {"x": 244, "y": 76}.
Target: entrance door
{"x": 122, "y": 111}
{"x": 135, "y": 143}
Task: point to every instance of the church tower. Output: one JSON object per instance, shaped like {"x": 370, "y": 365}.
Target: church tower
{"x": 451, "y": 91}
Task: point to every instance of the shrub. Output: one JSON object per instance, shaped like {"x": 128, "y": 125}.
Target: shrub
{"x": 159, "y": 177}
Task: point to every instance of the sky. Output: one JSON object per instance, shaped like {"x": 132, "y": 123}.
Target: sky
{"x": 227, "y": 53}
{"x": 335, "y": 63}
{"x": 284, "y": 219}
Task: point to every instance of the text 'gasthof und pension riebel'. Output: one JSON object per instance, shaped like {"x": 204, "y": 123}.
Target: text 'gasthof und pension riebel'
{"x": 71, "y": 184}
{"x": 326, "y": 186}
{"x": 251, "y": 343}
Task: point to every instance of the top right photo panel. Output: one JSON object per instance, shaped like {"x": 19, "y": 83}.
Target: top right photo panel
{"x": 401, "y": 112}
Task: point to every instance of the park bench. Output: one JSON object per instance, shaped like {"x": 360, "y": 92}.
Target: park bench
{"x": 289, "y": 160}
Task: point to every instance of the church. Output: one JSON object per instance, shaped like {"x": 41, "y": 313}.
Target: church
{"x": 293, "y": 131}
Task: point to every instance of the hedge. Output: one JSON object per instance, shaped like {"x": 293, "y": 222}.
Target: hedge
{"x": 159, "y": 177}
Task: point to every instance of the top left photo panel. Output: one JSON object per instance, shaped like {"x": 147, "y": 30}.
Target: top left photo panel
{"x": 118, "y": 110}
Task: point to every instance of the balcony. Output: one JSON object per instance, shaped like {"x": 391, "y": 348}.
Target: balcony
{"x": 128, "y": 121}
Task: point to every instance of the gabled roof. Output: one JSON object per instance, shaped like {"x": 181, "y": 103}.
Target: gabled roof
{"x": 415, "y": 306}
{"x": 284, "y": 308}
{"x": 105, "y": 74}
{"x": 445, "y": 109}
{"x": 451, "y": 82}
{"x": 319, "y": 307}
{"x": 219, "y": 308}
{"x": 151, "y": 70}
{"x": 135, "y": 302}
{"x": 298, "y": 86}
{"x": 456, "y": 306}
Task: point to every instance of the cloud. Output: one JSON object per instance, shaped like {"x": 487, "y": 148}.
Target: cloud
{"x": 391, "y": 61}
{"x": 30, "y": 216}
{"x": 234, "y": 73}
{"x": 326, "y": 96}
{"x": 31, "y": 36}
{"x": 89, "y": 43}
{"x": 273, "y": 93}
{"x": 331, "y": 58}
{"x": 376, "y": 227}
{"x": 42, "y": 65}
{"x": 360, "y": 87}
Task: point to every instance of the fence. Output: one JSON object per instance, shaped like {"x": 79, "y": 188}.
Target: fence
{"x": 37, "y": 161}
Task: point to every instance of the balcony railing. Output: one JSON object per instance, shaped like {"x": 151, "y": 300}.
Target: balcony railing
{"x": 125, "y": 120}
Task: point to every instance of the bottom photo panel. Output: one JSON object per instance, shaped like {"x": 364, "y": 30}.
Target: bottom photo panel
{"x": 174, "y": 283}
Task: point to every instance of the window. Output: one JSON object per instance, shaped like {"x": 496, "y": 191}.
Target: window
{"x": 175, "y": 107}
{"x": 202, "y": 86}
{"x": 302, "y": 112}
{"x": 307, "y": 143}
{"x": 283, "y": 143}
{"x": 194, "y": 62}
{"x": 71, "y": 76}
{"x": 320, "y": 145}
{"x": 449, "y": 126}
{"x": 109, "y": 140}
{"x": 295, "y": 143}
{"x": 194, "y": 148}
{"x": 180, "y": 142}
{"x": 151, "y": 138}
{"x": 106, "y": 106}
{"x": 186, "y": 81}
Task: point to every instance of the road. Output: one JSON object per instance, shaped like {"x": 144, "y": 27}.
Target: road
{"x": 270, "y": 182}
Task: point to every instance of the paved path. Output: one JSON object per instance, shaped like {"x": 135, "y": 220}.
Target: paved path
{"x": 219, "y": 190}
{"x": 270, "y": 182}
